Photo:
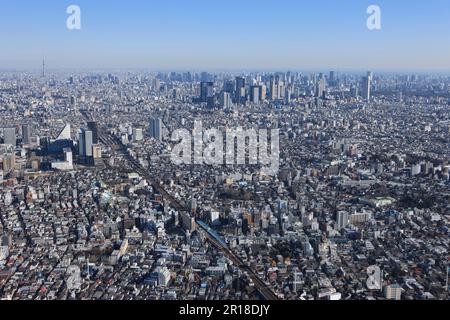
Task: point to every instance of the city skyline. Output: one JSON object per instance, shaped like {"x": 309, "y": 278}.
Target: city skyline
{"x": 233, "y": 36}
{"x": 225, "y": 156}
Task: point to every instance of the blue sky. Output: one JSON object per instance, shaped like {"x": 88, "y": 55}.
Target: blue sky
{"x": 231, "y": 34}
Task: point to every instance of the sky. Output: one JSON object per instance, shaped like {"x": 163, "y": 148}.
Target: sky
{"x": 226, "y": 35}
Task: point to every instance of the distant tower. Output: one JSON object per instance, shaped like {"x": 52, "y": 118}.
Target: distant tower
{"x": 43, "y": 67}
{"x": 367, "y": 84}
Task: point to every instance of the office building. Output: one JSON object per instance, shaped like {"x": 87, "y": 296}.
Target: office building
{"x": 26, "y": 134}
{"x": 240, "y": 90}
{"x": 9, "y": 136}
{"x": 321, "y": 86}
{"x": 156, "y": 129}
{"x": 276, "y": 88}
{"x": 225, "y": 100}
{"x": 92, "y": 126}
{"x": 229, "y": 86}
{"x": 85, "y": 146}
{"x": 206, "y": 91}
{"x": 255, "y": 94}
{"x": 341, "y": 220}
{"x": 367, "y": 86}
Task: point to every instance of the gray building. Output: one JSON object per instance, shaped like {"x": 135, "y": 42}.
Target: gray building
{"x": 156, "y": 128}
{"x": 342, "y": 220}
{"x": 85, "y": 143}
{"x": 367, "y": 84}
{"x": 26, "y": 134}
{"x": 9, "y": 136}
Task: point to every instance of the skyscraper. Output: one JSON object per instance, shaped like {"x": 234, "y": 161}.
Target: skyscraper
{"x": 332, "y": 76}
{"x": 9, "y": 136}
{"x": 240, "y": 89}
{"x": 26, "y": 134}
{"x": 367, "y": 84}
{"x": 276, "y": 88}
{"x": 228, "y": 86}
{"x": 321, "y": 86}
{"x": 85, "y": 146}
{"x": 225, "y": 100}
{"x": 92, "y": 126}
{"x": 156, "y": 128}
{"x": 206, "y": 91}
{"x": 255, "y": 94}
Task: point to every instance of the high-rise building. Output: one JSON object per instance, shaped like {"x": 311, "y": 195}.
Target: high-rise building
{"x": 85, "y": 145}
{"x": 92, "y": 126}
{"x": 156, "y": 128}
{"x": 276, "y": 88}
{"x": 321, "y": 86}
{"x": 332, "y": 77}
{"x": 341, "y": 220}
{"x": 273, "y": 88}
{"x": 354, "y": 91}
{"x": 228, "y": 86}
{"x": 225, "y": 100}
{"x": 240, "y": 90}
{"x": 263, "y": 92}
{"x": 367, "y": 84}
{"x": 255, "y": 94}
{"x": 73, "y": 101}
{"x": 26, "y": 134}
{"x": 206, "y": 91}
{"x": 9, "y": 136}
{"x": 287, "y": 95}
{"x": 156, "y": 85}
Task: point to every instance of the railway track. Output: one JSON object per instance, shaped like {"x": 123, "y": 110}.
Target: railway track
{"x": 265, "y": 291}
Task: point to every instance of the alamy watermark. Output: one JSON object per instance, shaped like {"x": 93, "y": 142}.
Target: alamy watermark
{"x": 73, "y": 22}
{"x": 234, "y": 147}
{"x": 374, "y": 19}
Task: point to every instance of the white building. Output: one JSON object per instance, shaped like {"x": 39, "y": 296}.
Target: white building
{"x": 4, "y": 252}
{"x": 342, "y": 220}
{"x": 163, "y": 276}
{"x": 65, "y": 165}
{"x": 393, "y": 292}
{"x": 416, "y": 170}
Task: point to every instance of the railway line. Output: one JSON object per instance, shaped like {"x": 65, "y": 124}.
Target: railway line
{"x": 265, "y": 291}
